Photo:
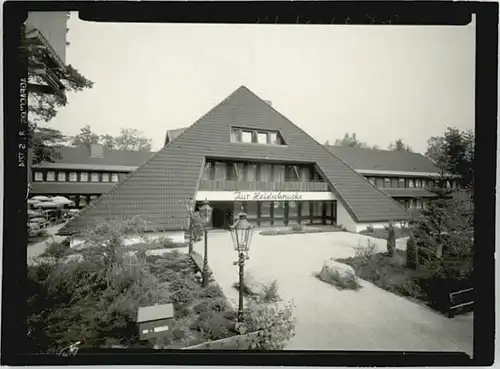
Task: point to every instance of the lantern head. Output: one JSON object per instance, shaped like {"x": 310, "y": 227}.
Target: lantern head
{"x": 241, "y": 233}
{"x": 206, "y": 213}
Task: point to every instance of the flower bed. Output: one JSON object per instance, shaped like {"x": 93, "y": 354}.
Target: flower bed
{"x": 382, "y": 232}
{"x": 77, "y": 301}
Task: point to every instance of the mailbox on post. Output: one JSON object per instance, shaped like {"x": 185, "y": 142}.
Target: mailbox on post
{"x": 154, "y": 321}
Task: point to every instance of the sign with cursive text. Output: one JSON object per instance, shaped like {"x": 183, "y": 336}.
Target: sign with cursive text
{"x": 267, "y": 196}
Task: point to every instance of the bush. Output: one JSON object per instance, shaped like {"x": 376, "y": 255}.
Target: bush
{"x": 270, "y": 292}
{"x": 364, "y": 253}
{"x": 370, "y": 229}
{"x": 231, "y": 315}
{"x": 213, "y": 326}
{"x": 411, "y": 253}
{"x": 202, "y": 307}
{"x": 219, "y": 305}
{"x": 391, "y": 240}
{"x": 275, "y": 322}
{"x": 182, "y": 311}
{"x": 211, "y": 291}
{"x": 298, "y": 227}
{"x": 55, "y": 250}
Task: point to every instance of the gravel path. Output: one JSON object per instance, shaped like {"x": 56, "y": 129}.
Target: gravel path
{"x": 328, "y": 319}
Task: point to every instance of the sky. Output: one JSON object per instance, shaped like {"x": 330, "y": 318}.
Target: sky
{"x": 381, "y": 82}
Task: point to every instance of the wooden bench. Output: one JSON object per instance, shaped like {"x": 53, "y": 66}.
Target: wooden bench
{"x": 460, "y": 300}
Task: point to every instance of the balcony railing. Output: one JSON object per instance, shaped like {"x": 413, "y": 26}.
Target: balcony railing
{"x": 229, "y": 185}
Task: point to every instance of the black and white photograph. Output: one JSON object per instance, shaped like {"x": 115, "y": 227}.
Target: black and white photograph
{"x": 267, "y": 187}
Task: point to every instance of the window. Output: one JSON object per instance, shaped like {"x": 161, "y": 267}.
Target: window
{"x": 220, "y": 171}
{"x": 240, "y": 171}
{"x": 387, "y": 182}
{"x": 279, "y": 173}
{"x": 306, "y": 209}
{"x": 402, "y": 183}
{"x": 94, "y": 177}
{"x": 265, "y": 173}
{"x": 84, "y": 177}
{"x": 418, "y": 183}
{"x": 61, "y": 177}
{"x": 317, "y": 209}
{"x": 251, "y": 172}
{"x": 105, "y": 177}
{"x": 279, "y": 209}
{"x": 394, "y": 182}
{"x": 293, "y": 209}
{"x": 291, "y": 173}
{"x": 246, "y": 136}
{"x": 265, "y": 209}
{"x": 380, "y": 182}
{"x": 235, "y": 135}
{"x": 231, "y": 172}
{"x": 72, "y": 176}
{"x": 273, "y": 139}
{"x": 305, "y": 174}
{"x": 207, "y": 172}
{"x": 38, "y": 176}
{"x": 411, "y": 184}
{"x": 251, "y": 209}
{"x": 114, "y": 177}
{"x": 371, "y": 180}
{"x": 262, "y": 137}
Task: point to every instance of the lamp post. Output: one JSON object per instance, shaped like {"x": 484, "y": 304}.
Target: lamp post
{"x": 190, "y": 204}
{"x": 206, "y": 215}
{"x": 241, "y": 233}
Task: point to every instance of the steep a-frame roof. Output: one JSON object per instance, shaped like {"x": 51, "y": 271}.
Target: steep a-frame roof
{"x": 158, "y": 189}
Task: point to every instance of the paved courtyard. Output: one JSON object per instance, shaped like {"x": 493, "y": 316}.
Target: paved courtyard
{"x": 329, "y": 319}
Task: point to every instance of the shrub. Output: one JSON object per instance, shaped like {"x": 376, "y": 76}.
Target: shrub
{"x": 211, "y": 291}
{"x": 213, "y": 325}
{"x": 298, "y": 227}
{"x": 364, "y": 253}
{"x": 391, "y": 240}
{"x": 270, "y": 292}
{"x": 182, "y": 311}
{"x": 411, "y": 253}
{"x": 55, "y": 250}
{"x": 275, "y": 322}
{"x": 218, "y": 304}
{"x": 230, "y": 315}
{"x": 181, "y": 296}
{"x": 202, "y": 307}
{"x": 178, "y": 333}
{"x": 370, "y": 229}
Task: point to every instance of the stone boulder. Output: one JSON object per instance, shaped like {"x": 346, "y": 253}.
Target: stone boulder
{"x": 338, "y": 274}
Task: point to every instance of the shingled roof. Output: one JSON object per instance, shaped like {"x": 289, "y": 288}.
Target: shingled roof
{"x": 81, "y": 156}
{"x": 158, "y": 189}
{"x": 384, "y": 160}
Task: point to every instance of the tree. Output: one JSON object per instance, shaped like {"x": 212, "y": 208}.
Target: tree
{"x": 350, "y": 141}
{"x": 108, "y": 141}
{"x": 399, "y": 145}
{"x": 85, "y": 138}
{"x": 132, "y": 140}
{"x": 44, "y": 143}
{"x": 453, "y": 153}
{"x": 43, "y": 107}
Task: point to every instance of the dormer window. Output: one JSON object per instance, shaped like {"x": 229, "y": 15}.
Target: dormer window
{"x": 256, "y": 136}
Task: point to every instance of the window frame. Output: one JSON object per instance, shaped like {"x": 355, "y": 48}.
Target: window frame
{"x": 115, "y": 175}
{"x": 59, "y": 174}
{"x": 72, "y": 175}
{"x": 92, "y": 174}
{"x": 36, "y": 174}
{"x": 105, "y": 175}
{"x": 82, "y": 174}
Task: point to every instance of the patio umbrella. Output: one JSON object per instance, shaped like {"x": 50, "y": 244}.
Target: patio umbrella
{"x": 61, "y": 200}
{"x": 47, "y": 204}
{"x": 41, "y": 198}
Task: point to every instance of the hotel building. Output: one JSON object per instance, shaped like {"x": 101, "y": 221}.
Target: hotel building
{"x": 243, "y": 154}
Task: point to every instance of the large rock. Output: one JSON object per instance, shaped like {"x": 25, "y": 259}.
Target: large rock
{"x": 339, "y": 274}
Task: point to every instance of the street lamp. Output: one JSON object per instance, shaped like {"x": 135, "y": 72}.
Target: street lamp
{"x": 206, "y": 215}
{"x": 190, "y": 204}
{"x": 241, "y": 233}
